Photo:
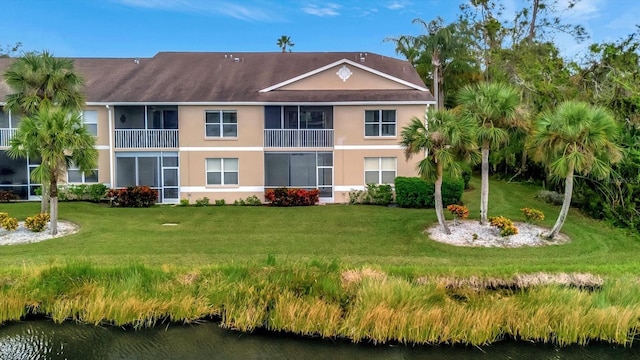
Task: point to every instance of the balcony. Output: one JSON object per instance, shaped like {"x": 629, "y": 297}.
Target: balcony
{"x": 146, "y": 138}
{"x": 6, "y": 135}
{"x": 293, "y": 138}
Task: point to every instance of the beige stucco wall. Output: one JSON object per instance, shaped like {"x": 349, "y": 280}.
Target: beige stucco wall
{"x": 359, "y": 80}
{"x": 192, "y": 126}
{"x": 351, "y": 148}
{"x": 103, "y": 124}
{"x": 349, "y": 123}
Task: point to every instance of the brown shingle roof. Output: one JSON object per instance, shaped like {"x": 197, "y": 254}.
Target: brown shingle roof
{"x": 175, "y": 77}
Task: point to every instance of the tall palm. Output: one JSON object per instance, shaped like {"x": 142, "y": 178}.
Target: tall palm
{"x": 493, "y": 107}
{"x": 448, "y": 140}
{"x": 283, "y": 42}
{"x": 40, "y": 80}
{"x": 576, "y": 137}
{"x": 60, "y": 139}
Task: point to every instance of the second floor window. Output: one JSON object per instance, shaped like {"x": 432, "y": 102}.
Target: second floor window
{"x": 380, "y": 123}
{"x": 221, "y": 124}
{"x": 90, "y": 119}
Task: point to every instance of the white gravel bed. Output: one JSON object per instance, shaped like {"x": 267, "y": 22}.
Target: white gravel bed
{"x": 462, "y": 234}
{"x": 22, "y": 235}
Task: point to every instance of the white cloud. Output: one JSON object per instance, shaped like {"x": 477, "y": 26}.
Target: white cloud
{"x": 583, "y": 10}
{"x": 397, "y": 5}
{"x": 329, "y": 9}
{"x": 241, "y": 12}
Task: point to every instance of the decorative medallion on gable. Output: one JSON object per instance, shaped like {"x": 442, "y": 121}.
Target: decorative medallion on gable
{"x": 344, "y": 73}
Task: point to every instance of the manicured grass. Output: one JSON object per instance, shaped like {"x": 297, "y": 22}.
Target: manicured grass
{"x": 352, "y": 235}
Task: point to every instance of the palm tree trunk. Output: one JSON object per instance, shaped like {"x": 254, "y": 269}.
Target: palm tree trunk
{"x": 438, "y": 196}
{"x": 566, "y": 204}
{"x": 484, "y": 187}
{"x": 44, "y": 202}
{"x": 53, "y": 196}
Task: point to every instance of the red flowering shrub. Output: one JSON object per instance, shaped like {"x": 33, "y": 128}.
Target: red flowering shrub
{"x": 133, "y": 196}
{"x": 292, "y": 197}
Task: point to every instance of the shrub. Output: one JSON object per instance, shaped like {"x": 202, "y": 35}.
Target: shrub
{"x": 373, "y": 195}
{"x": 414, "y": 192}
{"x": 3, "y": 215}
{"x": 458, "y": 211}
{"x": 8, "y": 196}
{"x": 133, "y": 196}
{"x": 505, "y": 225}
{"x": 202, "y": 202}
{"x": 220, "y": 202}
{"x": 10, "y": 224}
{"x": 37, "y": 223}
{"x": 184, "y": 202}
{"x": 550, "y": 197}
{"x": 466, "y": 177}
{"x": 532, "y": 215}
{"x": 249, "y": 201}
{"x": 292, "y": 197}
{"x": 96, "y": 192}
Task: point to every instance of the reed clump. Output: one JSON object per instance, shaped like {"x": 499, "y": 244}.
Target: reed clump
{"x": 318, "y": 299}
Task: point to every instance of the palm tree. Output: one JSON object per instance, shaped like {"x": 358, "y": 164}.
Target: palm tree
{"x": 60, "y": 139}
{"x": 448, "y": 140}
{"x": 576, "y": 137}
{"x": 283, "y": 42}
{"x": 494, "y": 108}
{"x": 40, "y": 80}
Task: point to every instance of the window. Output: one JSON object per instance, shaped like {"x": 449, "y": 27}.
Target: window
{"x": 380, "y": 123}
{"x": 379, "y": 170}
{"x": 75, "y": 176}
{"x": 90, "y": 119}
{"x": 221, "y": 123}
{"x": 222, "y": 171}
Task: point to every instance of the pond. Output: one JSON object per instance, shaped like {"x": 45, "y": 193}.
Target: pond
{"x": 42, "y": 339}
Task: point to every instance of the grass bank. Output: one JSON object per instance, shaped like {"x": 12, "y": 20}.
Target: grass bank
{"x": 319, "y": 299}
{"x": 287, "y": 269}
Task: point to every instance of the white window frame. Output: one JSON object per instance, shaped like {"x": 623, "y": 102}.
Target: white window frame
{"x": 82, "y": 174}
{"x": 221, "y": 124}
{"x": 222, "y": 171}
{"x": 380, "y": 170}
{"x": 380, "y": 122}
{"x": 85, "y": 122}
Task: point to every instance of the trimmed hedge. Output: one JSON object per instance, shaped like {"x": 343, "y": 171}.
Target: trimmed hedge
{"x": 414, "y": 192}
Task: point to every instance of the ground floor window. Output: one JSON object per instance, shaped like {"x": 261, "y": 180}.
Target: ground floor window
{"x": 75, "y": 176}
{"x": 222, "y": 171}
{"x": 309, "y": 170}
{"x": 380, "y": 170}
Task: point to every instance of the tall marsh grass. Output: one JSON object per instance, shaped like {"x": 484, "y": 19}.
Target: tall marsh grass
{"x": 318, "y": 299}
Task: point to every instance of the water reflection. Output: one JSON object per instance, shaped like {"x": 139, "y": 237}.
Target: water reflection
{"x": 45, "y": 340}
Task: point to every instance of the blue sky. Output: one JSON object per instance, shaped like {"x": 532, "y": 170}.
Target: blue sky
{"x": 141, "y": 28}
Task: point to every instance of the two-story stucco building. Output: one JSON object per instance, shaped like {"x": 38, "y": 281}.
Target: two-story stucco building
{"x": 230, "y": 125}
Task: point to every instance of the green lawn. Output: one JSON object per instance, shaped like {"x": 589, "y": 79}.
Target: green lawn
{"x": 390, "y": 238}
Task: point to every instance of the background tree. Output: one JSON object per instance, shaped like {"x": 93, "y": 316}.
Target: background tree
{"x": 60, "y": 139}
{"x": 575, "y": 138}
{"x": 283, "y": 42}
{"x": 10, "y": 50}
{"x": 38, "y": 81}
{"x": 493, "y": 107}
{"x": 448, "y": 141}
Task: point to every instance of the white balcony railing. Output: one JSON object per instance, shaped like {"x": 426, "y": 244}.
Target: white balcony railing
{"x": 146, "y": 138}
{"x": 6, "y": 135}
{"x": 292, "y": 138}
